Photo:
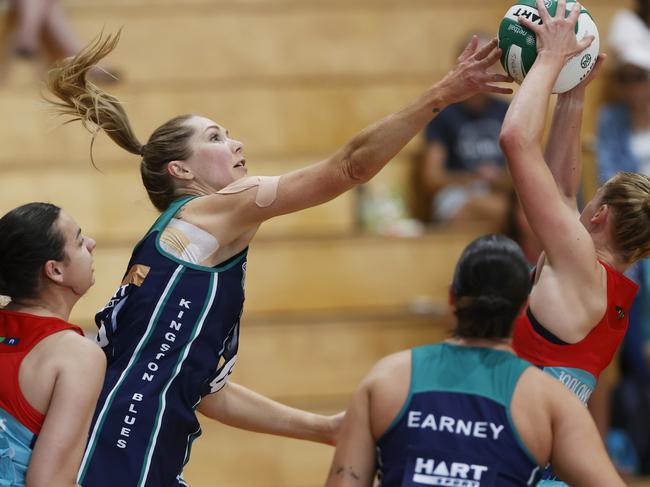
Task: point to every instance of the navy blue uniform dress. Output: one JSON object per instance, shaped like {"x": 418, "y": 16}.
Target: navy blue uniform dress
{"x": 170, "y": 335}
{"x": 455, "y": 427}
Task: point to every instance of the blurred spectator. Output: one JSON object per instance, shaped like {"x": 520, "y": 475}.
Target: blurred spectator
{"x": 40, "y": 27}
{"x": 461, "y": 174}
{"x": 623, "y": 144}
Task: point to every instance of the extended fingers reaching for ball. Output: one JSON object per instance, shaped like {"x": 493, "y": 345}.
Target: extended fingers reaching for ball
{"x": 556, "y": 34}
{"x": 470, "y": 75}
{"x": 469, "y": 50}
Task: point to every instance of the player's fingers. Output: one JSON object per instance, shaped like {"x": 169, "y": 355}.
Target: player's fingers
{"x": 575, "y": 13}
{"x": 585, "y": 42}
{"x": 498, "y": 78}
{"x": 485, "y": 50}
{"x": 543, "y": 13}
{"x": 560, "y": 9}
{"x": 528, "y": 24}
{"x": 469, "y": 49}
{"x": 497, "y": 89}
{"x": 491, "y": 58}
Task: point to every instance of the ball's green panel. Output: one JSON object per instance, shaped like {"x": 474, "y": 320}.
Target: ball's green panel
{"x": 512, "y": 33}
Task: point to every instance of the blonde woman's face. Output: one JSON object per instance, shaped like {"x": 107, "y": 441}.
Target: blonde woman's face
{"x": 217, "y": 159}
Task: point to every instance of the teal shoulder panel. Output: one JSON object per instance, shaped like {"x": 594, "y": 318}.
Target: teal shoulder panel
{"x": 469, "y": 370}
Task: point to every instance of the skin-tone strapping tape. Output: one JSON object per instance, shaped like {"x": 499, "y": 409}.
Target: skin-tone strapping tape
{"x": 267, "y": 188}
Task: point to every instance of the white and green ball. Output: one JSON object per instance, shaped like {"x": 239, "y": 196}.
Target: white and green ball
{"x": 519, "y": 44}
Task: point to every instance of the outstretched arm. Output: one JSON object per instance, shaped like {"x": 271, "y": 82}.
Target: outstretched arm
{"x": 366, "y": 153}
{"x": 242, "y": 408}
{"x": 566, "y": 242}
{"x": 564, "y": 149}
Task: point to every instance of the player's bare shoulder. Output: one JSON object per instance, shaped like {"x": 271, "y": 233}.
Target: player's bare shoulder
{"x": 396, "y": 366}
{"x": 71, "y": 350}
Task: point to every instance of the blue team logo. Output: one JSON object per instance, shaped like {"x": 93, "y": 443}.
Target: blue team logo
{"x": 10, "y": 341}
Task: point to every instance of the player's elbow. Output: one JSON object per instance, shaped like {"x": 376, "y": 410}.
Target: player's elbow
{"x": 354, "y": 168}
{"x": 513, "y": 140}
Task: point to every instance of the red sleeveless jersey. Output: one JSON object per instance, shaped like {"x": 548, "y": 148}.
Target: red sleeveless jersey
{"x": 19, "y": 334}
{"x": 595, "y": 351}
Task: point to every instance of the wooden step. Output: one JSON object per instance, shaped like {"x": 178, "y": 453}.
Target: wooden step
{"x": 326, "y": 273}
{"x": 290, "y": 40}
{"x": 306, "y": 358}
{"x": 286, "y": 122}
{"x": 231, "y": 457}
{"x": 100, "y": 202}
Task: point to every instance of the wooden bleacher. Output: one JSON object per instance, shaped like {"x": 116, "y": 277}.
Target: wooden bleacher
{"x": 292, "y": 79}
{"x": 314, "y": 274}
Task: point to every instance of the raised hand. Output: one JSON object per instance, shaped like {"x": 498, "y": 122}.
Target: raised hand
{"x": 556, "y": 34}
{"x": 470, "y": 75}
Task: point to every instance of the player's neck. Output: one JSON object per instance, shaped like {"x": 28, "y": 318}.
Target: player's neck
{"x": 54, "y": 307}
{"x": 609, "y": 257}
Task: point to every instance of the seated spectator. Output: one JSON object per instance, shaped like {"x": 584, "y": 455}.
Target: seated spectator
{"x": 461, "y": 174}
{"x": 40, "y": 27}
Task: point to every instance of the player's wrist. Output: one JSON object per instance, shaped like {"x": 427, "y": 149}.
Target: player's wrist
{"x": 551, "y": 57}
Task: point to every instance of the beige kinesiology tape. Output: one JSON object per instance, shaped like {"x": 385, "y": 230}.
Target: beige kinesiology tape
{"x": 267, "y": 188}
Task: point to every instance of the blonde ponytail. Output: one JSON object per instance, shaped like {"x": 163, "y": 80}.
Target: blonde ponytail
{"x": 87, "y": 103}
{"x": 98, "y": 110}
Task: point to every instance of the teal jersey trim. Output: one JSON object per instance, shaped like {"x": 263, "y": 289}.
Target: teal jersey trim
{"x": 164, "y": 218}
{"x": 467, "y": 370}
{"x": 161, "y": 223}
{"x": 578, "y": 381}
{"x": 134, "y": 358}
{"x": 207, "y": 304}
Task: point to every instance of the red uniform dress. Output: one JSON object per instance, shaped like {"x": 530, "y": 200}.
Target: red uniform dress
{"x": 578, "y": 365}
{"x": 20, "y": 423}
